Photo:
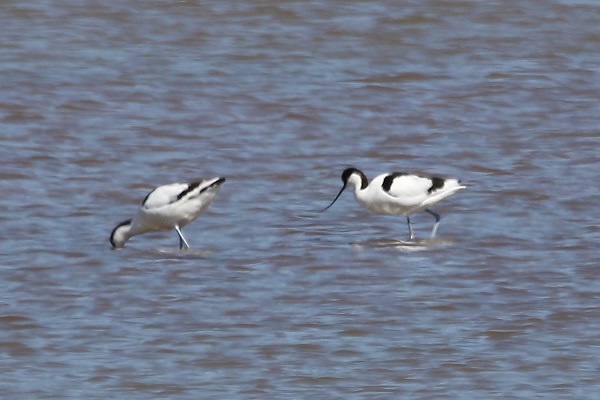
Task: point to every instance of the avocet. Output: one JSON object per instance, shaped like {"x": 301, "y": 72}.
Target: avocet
{"x": 167, "y": 207}
{"x": 398, "y": 193}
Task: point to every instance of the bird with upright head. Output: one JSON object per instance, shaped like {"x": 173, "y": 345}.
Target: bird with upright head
{"x": 398, "y": 193}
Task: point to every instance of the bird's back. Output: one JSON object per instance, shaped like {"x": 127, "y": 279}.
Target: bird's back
{"x": 177, "y": 203}
{"x": 401, "y": 193}
{"x": 164, "y": 195}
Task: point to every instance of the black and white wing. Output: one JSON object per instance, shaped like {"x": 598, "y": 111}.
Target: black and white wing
{"x": 168, "y": 194}
{"x": 403, "y": 185}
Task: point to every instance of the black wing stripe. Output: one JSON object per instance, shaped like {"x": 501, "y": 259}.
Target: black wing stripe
{"x": 389, "y": 180}
{"x": 146, "y": 198}
{"x": 190, "y": 187}
{"x": 436, "y": 183}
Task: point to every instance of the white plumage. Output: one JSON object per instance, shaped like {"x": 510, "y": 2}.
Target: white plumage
{"x": 399, "y": 193}
{"x": 167, "y": 207}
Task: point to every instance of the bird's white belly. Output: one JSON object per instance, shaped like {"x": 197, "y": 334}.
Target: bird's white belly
{"x": 389, "y": 207}
{"x": 166, "y": 218}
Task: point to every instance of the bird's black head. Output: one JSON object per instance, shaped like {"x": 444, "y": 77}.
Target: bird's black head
{"x": 348, "y": 172}
{"x": 116, "y": 238}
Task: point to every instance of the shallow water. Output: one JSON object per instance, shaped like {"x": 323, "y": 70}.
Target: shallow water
{"x": 102, "y": 102}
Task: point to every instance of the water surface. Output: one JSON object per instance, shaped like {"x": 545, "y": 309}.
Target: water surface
{"x": 102, "y": 102}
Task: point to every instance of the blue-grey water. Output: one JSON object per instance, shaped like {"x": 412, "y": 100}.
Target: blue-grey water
{"x": 102, "y": 101}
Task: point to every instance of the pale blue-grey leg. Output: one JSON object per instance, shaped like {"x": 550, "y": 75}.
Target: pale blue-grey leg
{"x": 437, "y": 222}
{"x": 182, "y": 241}
{"x": 410, "y": 231}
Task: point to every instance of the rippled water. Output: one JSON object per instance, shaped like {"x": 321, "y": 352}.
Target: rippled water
{"x": 103, "y": 101}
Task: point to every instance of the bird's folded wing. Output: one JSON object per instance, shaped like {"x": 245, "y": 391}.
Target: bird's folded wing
{"x": 410, "y": 186}
{"x": 164, "y": 195}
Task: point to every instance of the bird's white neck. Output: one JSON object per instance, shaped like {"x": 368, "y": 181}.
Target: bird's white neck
{"x": 358, "y": 181}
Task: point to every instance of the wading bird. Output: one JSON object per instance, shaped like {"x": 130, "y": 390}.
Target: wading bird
{"x": 168, "y": 207}
{"x": 398, "y": 193}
